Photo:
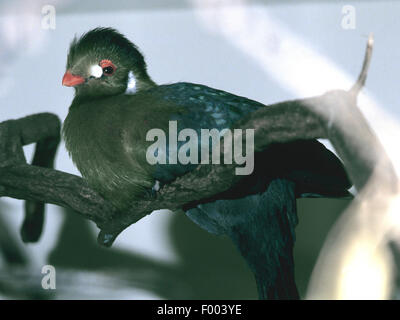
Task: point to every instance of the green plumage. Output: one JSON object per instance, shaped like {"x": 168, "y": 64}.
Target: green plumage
{"x": 106, "y": 138}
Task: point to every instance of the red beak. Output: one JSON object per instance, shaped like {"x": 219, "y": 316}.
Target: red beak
{"x": 70, "y": 80}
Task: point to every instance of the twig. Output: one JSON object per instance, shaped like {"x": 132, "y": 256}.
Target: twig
{"x": 34, "y": 210}
{"x": 364, "y": 70}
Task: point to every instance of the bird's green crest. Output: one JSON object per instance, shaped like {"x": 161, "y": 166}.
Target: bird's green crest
{"x": 106, "y": 44}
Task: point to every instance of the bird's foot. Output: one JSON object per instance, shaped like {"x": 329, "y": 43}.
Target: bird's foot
{"x": 106, "y": 239}
{"x": 154, "y": 189}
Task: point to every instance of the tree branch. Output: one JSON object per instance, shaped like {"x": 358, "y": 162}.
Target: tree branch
{"x": 333, "y": 115}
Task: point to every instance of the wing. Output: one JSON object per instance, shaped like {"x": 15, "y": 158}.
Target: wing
{"x": 315, "y": 169}
{"x": 201, "y": 107}
{"x": 206, "y": 107}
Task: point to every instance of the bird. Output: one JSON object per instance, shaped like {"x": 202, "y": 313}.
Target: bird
{"x": 116, "y": 103}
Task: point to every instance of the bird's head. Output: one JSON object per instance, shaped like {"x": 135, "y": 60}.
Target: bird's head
{"x": 103, "y": 62}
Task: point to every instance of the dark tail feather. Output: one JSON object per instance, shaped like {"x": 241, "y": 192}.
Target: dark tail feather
{"x": 262, "y": 228}
{"x": 266, "y": 237}
{"x": 284, "y": 287}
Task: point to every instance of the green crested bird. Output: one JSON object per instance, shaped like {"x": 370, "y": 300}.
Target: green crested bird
{"x": 116, "y": 103}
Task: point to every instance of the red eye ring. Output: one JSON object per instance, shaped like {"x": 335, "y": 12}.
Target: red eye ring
{"x": 107, "y": 66}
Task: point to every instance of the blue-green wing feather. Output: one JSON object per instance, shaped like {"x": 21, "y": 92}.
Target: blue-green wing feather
{"x": 203, "y": 108}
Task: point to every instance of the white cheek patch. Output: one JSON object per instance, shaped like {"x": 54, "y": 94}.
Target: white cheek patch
{"x": 131, "y": 86}
{"x": 96, "y": 71}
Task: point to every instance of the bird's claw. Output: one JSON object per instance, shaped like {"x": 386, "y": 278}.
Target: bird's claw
{"x": 154, "y": 189}
{"x": 106, "y": 239}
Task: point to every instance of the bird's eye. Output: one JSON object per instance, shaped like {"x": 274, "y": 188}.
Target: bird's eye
{"x": 108, "y": 70}
{"x": 107, "y": 66}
